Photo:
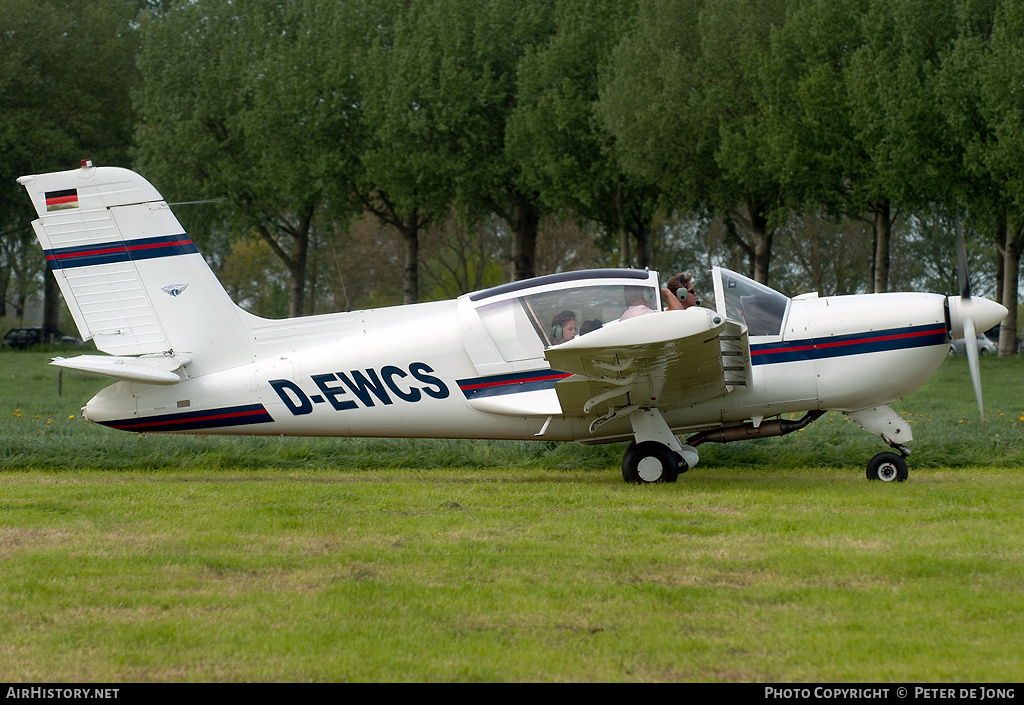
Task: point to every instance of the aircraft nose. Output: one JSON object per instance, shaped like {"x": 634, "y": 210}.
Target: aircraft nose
{"x": 984, "y": 312}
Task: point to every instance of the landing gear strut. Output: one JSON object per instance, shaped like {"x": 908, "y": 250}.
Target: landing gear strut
{"x": 895, "y": 431}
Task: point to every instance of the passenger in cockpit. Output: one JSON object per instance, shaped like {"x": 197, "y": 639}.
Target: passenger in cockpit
{"x": 563, "y": 327}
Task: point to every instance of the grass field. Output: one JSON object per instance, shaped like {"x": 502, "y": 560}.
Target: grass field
{"x": 132, "y": 559}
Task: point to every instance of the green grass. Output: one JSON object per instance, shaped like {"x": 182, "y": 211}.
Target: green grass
{"x": 130, "y": 558}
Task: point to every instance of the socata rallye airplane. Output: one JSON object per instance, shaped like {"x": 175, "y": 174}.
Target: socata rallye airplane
{"x": 484, "y": 365}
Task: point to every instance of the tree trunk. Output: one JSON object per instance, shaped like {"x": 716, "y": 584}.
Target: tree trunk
{"x": 642, "y": 234}
{"x": 409, "y": 227}
{"x": 51, "y": 301}
{"x": 524, "y": 223}
{"x": 295, "y": 260}
{"x": 762, "y": 245}
{"x": 1000, "y": 238}
{"x": 742, "y": 254}
{"x": 624, "y": 258}
{"x": 883, "y": 229}
{"x": 297, "y": 293}
{"x": 1011, "y": 276}
{"x": 874, "y": 249}
{"x": 5, "y": 282}
{"x": 411, "y": 273}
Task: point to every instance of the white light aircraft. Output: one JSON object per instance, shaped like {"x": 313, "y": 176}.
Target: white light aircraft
{"x": 484, "y": 365}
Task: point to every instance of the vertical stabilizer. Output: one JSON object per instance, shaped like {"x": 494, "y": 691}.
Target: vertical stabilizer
{"x": 134, "y": 281}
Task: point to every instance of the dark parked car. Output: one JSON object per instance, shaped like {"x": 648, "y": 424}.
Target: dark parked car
{"x": 26, "y": 336}
{"x": 985, "y": 346}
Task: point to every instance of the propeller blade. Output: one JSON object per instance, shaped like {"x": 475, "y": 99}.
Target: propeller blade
{"x": 967, "y": 314}
{"x": 971, "y": 345}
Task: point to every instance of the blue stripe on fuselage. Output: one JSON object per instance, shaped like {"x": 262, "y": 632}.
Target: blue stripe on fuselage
{"x": 497, "y": 385}
{"x": 195, "y": 420}
{"x": 854, "y": 344}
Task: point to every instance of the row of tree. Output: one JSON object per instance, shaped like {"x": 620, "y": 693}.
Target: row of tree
{"x": 471, "y": 127}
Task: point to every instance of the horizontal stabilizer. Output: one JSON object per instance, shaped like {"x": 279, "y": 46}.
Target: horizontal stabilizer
{"x": 158, "y": 369}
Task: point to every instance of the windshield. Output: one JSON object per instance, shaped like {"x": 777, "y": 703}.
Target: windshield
{"x": 743, "y": 300}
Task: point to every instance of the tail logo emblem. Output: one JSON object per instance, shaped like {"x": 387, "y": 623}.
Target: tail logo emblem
{"x": 175, "y": 289}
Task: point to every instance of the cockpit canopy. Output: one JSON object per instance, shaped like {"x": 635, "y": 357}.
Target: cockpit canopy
{"x": 508, "y": 327}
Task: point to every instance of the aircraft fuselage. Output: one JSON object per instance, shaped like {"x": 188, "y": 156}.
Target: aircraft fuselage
{"x": 406, "y": 373}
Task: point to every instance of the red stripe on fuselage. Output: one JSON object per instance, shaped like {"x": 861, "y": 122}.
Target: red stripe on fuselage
{"x": 520, "y": 380}
{"x": 194, "y": 419}
{"x": 858, "y": 341}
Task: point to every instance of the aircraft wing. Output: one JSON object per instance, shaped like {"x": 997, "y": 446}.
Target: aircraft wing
{"x": 663, "y": 360}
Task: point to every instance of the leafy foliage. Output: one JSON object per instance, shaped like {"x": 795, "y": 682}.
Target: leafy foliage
{"x": 65, "y": 70}
{"x": 753, "y": 121}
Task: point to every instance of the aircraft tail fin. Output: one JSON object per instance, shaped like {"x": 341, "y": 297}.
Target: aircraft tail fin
{"x": 134, "y": 281}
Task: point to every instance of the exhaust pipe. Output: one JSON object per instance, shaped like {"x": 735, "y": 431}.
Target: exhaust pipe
{"x": 743, "y": 432}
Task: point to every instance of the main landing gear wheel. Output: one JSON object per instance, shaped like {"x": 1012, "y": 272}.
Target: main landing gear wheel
{"x": 887, "y": 467}
{"x": 651, "y": 461}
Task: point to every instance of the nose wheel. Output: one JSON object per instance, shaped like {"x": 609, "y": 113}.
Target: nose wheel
{"x": 887, "y": 467}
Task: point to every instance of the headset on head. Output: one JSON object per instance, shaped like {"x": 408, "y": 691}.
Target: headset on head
{"x": 646, "y": 293}
{"x": 560, "y": 319}
{"x": 682, "y": 292}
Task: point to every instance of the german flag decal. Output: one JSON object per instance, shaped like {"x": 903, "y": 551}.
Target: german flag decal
{"x": 61, "y": 200}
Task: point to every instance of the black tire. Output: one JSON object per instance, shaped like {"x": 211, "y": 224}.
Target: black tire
{"x": 650, "y": 461}
{"x": 888, "y": 467}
